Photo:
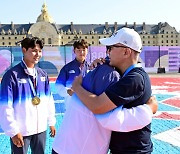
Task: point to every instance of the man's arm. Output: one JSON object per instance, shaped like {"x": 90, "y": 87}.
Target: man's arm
{"x": 97, "y": 104}
{"x": 7, "y": 118}
{"x": 125, "y": 120}
{"x": 61, "y": 83}
{"x": 51, "y": 110}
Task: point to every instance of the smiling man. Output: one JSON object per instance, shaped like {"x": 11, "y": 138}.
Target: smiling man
{"x": 132, "y": 89}
{"x": 69, "y": 71}
{"x": 27, "y": 105}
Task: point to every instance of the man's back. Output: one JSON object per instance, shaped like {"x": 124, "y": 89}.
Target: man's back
{"x": 80, "y": 127}
{"x": 99, "y": 79}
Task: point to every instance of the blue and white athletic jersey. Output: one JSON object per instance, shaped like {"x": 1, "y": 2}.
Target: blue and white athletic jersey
{"x": 18, "y": 114}
{"x": 67, "y": 75}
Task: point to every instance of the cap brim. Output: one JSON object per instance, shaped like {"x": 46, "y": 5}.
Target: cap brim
{"x": 108, "y": 41}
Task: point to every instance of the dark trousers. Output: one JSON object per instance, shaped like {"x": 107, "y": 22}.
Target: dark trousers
{"x": 53, "y": 152}
{"x": 36, "y": 142}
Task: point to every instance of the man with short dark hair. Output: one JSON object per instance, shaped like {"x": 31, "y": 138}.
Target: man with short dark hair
{"x": 27, "y": 105}
{"x": 69, "y": 71}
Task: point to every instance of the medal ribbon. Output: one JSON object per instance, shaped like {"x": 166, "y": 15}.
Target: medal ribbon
{"x": 33, "y": 85}
{"x": 130, "y": 68}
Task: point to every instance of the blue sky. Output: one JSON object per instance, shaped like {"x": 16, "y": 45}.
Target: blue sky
{"x": 93, "y": 11}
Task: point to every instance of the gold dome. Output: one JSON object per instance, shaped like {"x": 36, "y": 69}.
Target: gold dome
{"x": 44, "y": 16}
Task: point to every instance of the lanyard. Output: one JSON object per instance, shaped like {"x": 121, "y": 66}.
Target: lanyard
{"x": 32, "y": 85}
{"x": 35, "y": 78}
{"x": 130, "y": 68}
{"x": 83, "y": 68}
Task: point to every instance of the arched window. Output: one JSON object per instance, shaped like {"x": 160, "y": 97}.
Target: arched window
{"x": 49, "y": 41}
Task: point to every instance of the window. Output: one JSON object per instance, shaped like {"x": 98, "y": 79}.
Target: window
{"x": 104, "y": 36}
{"x": 166, "y": 41}
{"x": 9, "y": 43}
{"x": 61, "y": 37}
{"x": 3, "y": 38}
{"x": 85, "y": 37}
{"x": 143, "y": 42}
{"x": 49, "y": 41}
{"x": 92, "y": 42}
{"x": 99, "y": 37}
{"x": 176, "y": 41}
{"x": 162, "y": 36}
{"x": 167, "y": 36}
{"x": 92, "y": 37}
{"x": 9, "y": 38}
{"x": 162, "y": 41}
{"x": 43, "y": 40}
{"x": 154, "y": 36}
{"x": 61, "y": 43}
{"x": 15, "y": 38}
{"x": 3, "y": 43}
{"x": 148, "y": 36}
{"x": 148, "y": 42}
{"x": 171, "y": 41}
{"x": 143, "y": 36}
{"x": 69, "y": 37}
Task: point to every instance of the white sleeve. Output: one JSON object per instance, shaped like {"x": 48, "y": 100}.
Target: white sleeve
{"x": 125, "y": 120}
{"x": 7, "y": 120}
{"x": 51, "y": 111}
{"x": 61, "y": 90}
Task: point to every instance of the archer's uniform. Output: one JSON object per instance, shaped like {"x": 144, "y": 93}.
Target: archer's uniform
{"x": 67, "y": 75}
{"x": 18, "y": 114}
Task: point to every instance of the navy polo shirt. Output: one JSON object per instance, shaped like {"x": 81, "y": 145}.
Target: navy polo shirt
{"x": 97, "y": 80}
{"x": 69, "y": 72}
{"x": 132, "y": 90}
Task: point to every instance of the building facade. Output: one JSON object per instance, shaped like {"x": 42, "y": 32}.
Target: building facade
{"x": 161, "y": 34}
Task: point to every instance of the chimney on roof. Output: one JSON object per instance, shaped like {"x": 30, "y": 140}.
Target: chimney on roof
{"x": 72, "y": 27}
{"x": 106, "y": 25}
{"x": 134, "y": 25}
{"x": 126, "y": 24}
{"x": 12, "y": 25}
{"x": 115, "y": 26}
{"x": 159, "y": 25}
{"x": 144, "y": 26}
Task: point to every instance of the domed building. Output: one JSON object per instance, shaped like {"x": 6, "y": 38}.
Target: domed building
{"x": 161, "y": 34}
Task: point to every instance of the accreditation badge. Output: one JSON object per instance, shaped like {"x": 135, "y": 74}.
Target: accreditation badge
{"x": 36, "y": 100}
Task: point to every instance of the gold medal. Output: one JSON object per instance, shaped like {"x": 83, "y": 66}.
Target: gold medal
{"x": 36, "y": 100}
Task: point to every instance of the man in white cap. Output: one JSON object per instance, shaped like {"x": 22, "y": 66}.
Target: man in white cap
{"x": 131, "y": 90}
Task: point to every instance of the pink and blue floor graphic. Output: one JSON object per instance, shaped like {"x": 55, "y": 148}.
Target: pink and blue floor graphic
{"x": 165, "y": 124}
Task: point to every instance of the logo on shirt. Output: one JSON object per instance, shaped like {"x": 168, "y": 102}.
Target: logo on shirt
{"x": 22, "y": 81}
{"x": 43, "y": 78}
{"x": 71, "y": 71}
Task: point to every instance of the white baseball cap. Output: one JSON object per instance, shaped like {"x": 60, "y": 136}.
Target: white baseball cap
{"x": 126, "y": 36}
